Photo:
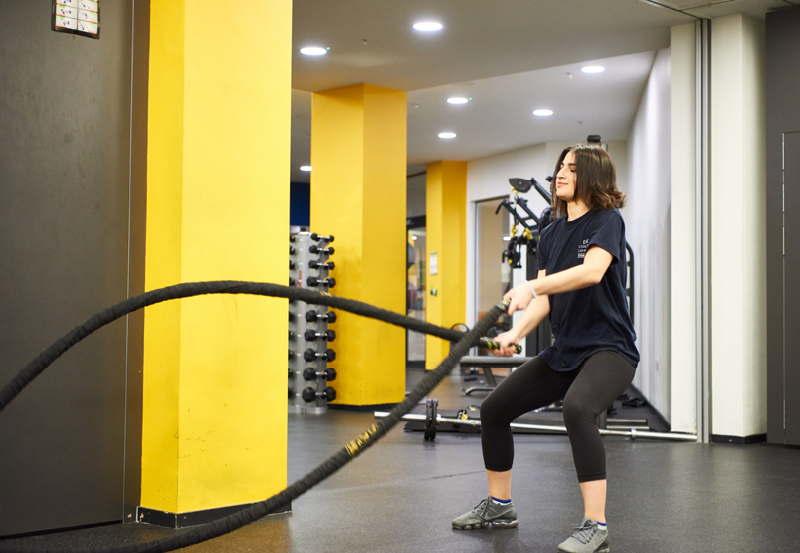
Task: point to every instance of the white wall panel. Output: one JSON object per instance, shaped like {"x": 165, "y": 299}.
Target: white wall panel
{"x": 738, "y": 227}
{"x": 683, "y": 272}
{"x": 647, "y": 217}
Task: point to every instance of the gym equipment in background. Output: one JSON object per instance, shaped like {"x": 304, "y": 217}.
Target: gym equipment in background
{"x": 309, "y": 354}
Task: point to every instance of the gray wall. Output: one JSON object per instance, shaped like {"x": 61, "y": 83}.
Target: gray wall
{"x": 415, "y": 195}
{"x": 783, "y": 131}
{"x": 65, "y": 111}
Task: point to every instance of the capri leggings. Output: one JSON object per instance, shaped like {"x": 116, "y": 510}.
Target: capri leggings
{"x": 587, "y": 392}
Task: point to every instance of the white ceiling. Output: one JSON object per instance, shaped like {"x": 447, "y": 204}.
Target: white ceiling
{"x": 510, "y": 56}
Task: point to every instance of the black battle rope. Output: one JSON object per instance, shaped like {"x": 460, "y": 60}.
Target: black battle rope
{"x": 189, "y": 289}
{"x": 329, "y": 466}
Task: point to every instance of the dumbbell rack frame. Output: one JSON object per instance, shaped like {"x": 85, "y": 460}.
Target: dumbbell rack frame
{"x": 299, "y": 272}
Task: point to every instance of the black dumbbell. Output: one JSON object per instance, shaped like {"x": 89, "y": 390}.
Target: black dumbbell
{"x": 312, "y": 316}
{"x": 291, "y": 281}
{"x": 292, "y": 335}
{"x": 291, "y": 373}
{"x": 316, "y": 249}
{"x": 316, "y": 237}
{"x": 311, "y": 355}
{"x": 312, "y": 374}
{"x": 291, "y": 394}
{"x": 316, "y": 265}
{"x": 291, "y": 354}
{"x": 291, "y": 265}
{"x": 291, "y": 250}
{"x": 291, "y": 316}
{"x": 309, "y": 394}
{"x": 328, "y": 335}
{"x": 329, "y": 282}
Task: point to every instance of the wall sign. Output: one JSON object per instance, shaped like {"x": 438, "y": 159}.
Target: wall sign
{"x": 79, "y": 17}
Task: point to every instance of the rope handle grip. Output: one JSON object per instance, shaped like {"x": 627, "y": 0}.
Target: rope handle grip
{"x": 488, "y": 343}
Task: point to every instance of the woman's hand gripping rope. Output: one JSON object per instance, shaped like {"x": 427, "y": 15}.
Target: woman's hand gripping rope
{"x": 504, "y": 346}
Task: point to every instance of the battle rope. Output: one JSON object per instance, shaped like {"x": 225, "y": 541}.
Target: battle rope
{"x": 225, "y": 525}
{"x": 189, "y": 289}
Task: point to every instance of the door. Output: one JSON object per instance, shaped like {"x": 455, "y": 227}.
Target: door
{"x": 791, "y": 300}
{"x": 64, "y": 202}
{"x": 492, "y": 274}
{"x": 415, "y": 289}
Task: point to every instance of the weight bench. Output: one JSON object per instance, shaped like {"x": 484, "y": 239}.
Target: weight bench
{"x": 487, "y": 364}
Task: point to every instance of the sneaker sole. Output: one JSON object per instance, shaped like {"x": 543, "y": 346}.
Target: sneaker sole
{"x": 606, "y": 549}
{"x": 487, "y": 525}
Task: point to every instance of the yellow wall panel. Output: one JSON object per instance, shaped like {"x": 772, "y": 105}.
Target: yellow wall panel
{"x": 163, "y": 242}
{"x": 226, "y": 402}
{"x": 358, "y": 194}
{"x": 446, "y": 230}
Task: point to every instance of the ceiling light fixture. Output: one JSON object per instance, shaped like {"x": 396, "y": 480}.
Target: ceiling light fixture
{"x": 593, "y": 69}
{"x": 313, "y": 51}
{"x": 428, "y": 26}
{"x": 447, "y": 135}
{"x": 543, "y": 112}
{"x": 457, "y": 100}
{"x": 306, "y": 168}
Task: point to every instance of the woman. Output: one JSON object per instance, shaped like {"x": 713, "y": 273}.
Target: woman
{"x": 581, "y": 286}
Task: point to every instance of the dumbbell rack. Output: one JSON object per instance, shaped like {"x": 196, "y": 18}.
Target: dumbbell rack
{"x": 309, "y": 336}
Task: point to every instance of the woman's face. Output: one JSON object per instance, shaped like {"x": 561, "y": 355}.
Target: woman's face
{"x": 565, "y": 179}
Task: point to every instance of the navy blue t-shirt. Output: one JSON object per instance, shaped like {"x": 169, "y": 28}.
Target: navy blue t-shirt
{"x": 595, "y": 318}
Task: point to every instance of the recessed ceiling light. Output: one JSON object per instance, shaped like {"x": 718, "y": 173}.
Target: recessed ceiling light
{"x": 457, "y": 100}
{"x": 313, "y": 51}
{"x": 428, "y": 26}
{"x": 543, "y": 112}
{"x": 447, "y": 135}
{"x": 593, "y": 69}
{"x": 306, "y": 168}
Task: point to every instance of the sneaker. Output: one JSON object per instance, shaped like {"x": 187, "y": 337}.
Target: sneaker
{"x": 486, "y": 514}
{"x": 588, "y": 538}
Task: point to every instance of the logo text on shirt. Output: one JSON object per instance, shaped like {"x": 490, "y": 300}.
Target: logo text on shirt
{"x": 582, "y": 247}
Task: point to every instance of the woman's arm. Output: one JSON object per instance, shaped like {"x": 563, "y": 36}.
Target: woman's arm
{"x": 535, "y": 312}
{"x": 594, "y": 266}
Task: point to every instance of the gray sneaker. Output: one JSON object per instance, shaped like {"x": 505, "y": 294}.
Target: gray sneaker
{"x": 588, "y": 538}
{"x": 486, "y": 514}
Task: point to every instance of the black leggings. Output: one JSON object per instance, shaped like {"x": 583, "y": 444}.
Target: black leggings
{"x": 587, "y": 392}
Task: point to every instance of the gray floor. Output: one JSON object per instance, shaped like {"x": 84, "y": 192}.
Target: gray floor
{"x": 401, "y": 495}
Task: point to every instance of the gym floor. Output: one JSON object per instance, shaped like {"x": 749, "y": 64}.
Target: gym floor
{"x": 401, "y": 494}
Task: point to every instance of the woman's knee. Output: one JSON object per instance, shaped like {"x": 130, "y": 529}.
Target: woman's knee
{"x": 491, "y": 411}
{"x": 577, "y": 413}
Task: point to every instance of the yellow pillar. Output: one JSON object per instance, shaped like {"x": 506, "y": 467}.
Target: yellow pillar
{"x": 446, "y": 229}
{"x": 358, "y": 194}
{"x": 215, "y": 408}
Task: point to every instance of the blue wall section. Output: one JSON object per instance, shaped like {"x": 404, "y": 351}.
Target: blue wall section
{"x": 300, "y": 202}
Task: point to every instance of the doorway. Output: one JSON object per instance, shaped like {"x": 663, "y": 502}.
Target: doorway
{"x": 492, "y": 276}
{"x": 415, "y": 289}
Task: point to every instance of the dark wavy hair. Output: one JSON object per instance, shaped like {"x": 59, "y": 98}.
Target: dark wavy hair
{"x": 596, "y": 182}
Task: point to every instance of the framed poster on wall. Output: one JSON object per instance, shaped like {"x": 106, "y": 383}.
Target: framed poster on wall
{"x": 79, "y": 17}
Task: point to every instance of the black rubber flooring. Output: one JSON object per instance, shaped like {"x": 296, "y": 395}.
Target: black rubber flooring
{"x": 400, "y": 495}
